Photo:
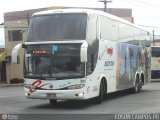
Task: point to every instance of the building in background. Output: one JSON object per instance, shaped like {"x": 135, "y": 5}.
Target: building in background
{"x": 2, "y": 65}
{"x": 16, "y": 26}
{"x": 156, "y": 42}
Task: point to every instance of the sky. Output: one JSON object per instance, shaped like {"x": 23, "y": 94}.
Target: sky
{"x": 145, "y": 12}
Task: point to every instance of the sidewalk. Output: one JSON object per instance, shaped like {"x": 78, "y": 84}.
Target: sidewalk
{"x": 10, "y": 85}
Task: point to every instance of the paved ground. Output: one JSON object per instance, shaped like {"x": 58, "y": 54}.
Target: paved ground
{"x": 10, "y": 85}
{"x": 13, "y": 101}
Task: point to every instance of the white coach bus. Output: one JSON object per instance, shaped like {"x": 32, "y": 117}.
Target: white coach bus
{"x": 78, "y": 54}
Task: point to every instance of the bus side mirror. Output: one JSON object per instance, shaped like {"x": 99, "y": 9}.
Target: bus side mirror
{"x": 83, "y": 52}
{"x": 15, "y": 53}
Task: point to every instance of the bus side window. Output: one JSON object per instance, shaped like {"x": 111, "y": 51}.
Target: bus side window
{"x": 91, "y": 63}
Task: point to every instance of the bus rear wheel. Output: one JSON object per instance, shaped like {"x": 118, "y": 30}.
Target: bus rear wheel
{"x": 138, "y": 86}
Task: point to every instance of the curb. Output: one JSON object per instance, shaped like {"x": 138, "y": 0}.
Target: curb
{"x": 11, "y": 85}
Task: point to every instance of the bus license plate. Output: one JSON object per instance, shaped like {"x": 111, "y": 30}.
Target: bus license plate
{"x": 51, "y": 95}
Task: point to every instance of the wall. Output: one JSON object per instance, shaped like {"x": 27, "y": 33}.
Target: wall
{"x": 15, "y": 70}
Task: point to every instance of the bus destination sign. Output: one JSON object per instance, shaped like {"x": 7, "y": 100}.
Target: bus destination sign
{"x": 39, "y": 52}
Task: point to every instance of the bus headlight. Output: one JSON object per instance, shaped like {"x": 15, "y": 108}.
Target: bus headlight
{"x": 78, "y": 86}
{"x": 28, "y": 86}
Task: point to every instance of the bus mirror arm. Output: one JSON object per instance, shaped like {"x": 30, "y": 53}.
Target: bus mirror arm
{"x": 23, "y": 46}
{"x": 83, "y": 52}
{"x": 15, "y": 53}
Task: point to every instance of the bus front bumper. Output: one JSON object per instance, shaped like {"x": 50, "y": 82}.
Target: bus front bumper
{"x": 77, "y": 94}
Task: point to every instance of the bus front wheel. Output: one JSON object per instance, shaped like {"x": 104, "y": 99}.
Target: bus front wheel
{"x": 53, "y": 101}
{"x": 99, "y": 98}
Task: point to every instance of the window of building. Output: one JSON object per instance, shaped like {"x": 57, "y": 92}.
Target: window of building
{"x": 15, "y": 35}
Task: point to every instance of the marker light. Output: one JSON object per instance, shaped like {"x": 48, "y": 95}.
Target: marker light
{"x": 80, "y": 94}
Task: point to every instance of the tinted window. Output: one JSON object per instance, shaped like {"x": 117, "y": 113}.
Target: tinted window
{"x": 15, "y": 35}
{"x": 155, "y": 51}
{"x": 58, "y": 61}
{"x": 58, "y": 27}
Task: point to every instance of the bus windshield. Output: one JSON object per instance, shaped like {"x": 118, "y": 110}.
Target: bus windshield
{"x": 58, "y": 61}
{"x": 55, "y": 27}
{"x": 155, "y": 51}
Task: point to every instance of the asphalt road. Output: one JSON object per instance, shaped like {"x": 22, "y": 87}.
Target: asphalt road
{"x": 13, "y": 102}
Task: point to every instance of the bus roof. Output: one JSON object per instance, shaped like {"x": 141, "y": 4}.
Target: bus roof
{"x": 88, "y": 11}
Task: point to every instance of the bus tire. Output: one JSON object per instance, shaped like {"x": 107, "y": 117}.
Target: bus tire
{"x": 52, "y": 101}
{"x": 99, "y": 98}
{"x": 138, "y": 86}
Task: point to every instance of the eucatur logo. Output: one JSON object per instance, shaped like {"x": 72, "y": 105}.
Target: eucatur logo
{"x": 39, "y": 84}
{"x": 110, "y": 51}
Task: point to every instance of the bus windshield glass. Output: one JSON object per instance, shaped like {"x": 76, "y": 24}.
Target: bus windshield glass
{"x": 155, "y": 51}
{"x": 58, "y": 61}
{"x": 54, "y": 27}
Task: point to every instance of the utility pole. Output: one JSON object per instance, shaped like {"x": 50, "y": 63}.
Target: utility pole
{"x": 28, "y": 19}
{"x": 105, "y": 4}
{"x": 153, "y": 37}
